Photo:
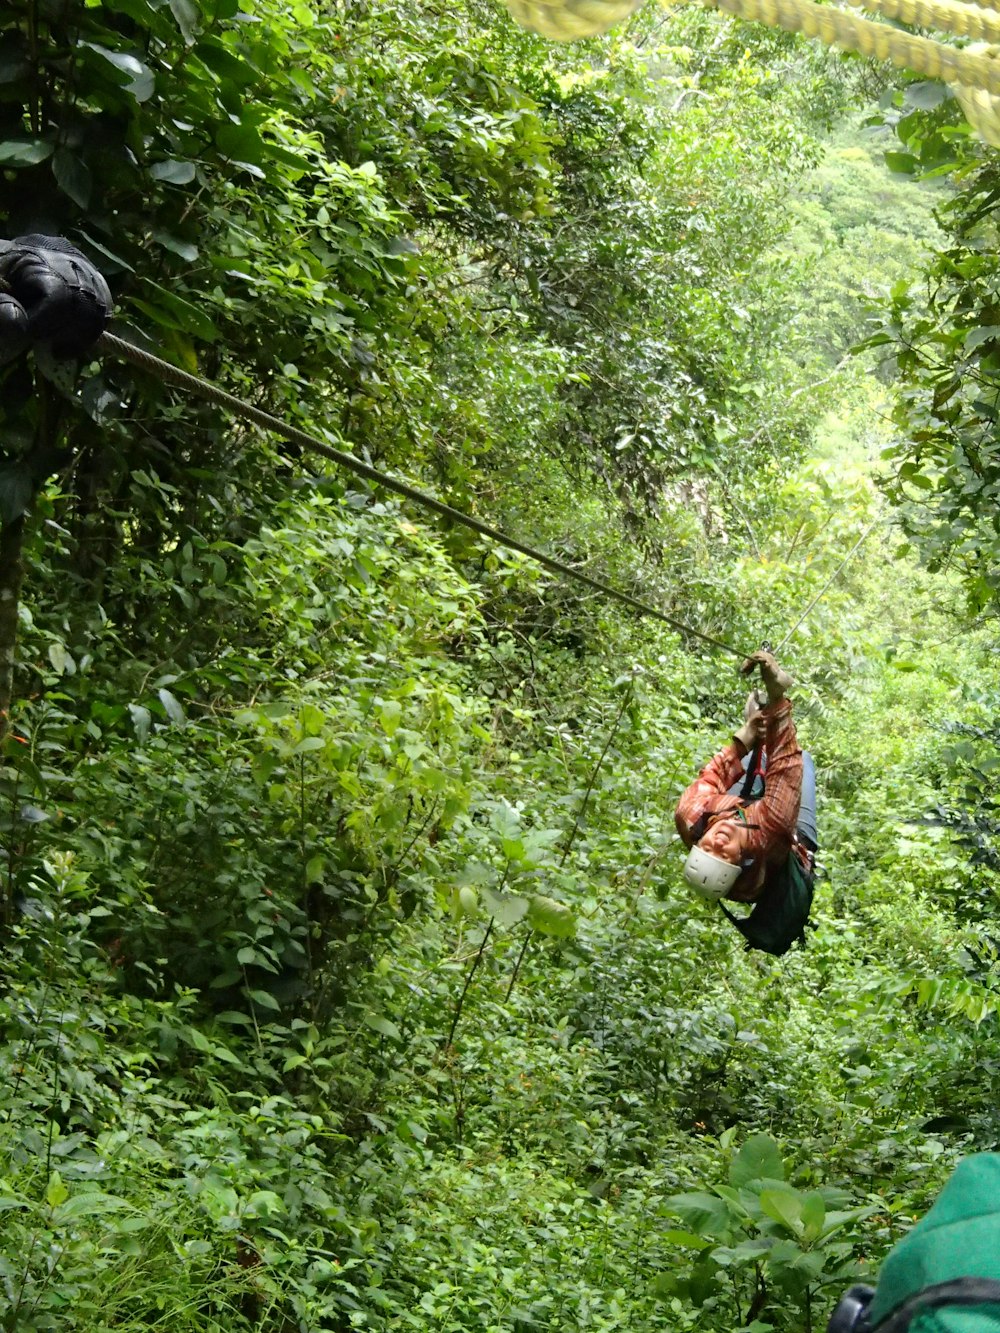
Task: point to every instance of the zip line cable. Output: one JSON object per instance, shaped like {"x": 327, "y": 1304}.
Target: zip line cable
{"x": 137, "y": 356}
{"x": 194, "y": 384}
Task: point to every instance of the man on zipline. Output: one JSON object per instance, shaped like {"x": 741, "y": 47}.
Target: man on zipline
{"x": 738, "y": 845}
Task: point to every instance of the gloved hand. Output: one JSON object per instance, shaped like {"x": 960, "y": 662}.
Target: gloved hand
{"x": 776, "y": 680}
{"x": 756, "y": 700}
{"x": 49, "y": 292}
{"x": 13, "y": 328}
{"x": 751, "y": 732}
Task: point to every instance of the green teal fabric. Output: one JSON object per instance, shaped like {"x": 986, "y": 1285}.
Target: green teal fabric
{"x": 957, "y": 1319}
{"x": 959, "y": 1237}
{"x": 975, "y": 1319}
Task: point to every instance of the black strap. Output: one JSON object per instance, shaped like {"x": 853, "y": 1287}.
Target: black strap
{"x": 701, "y": 825}
{"x": 962, "y": 1291}
{"x": 738, "y": 922}
{"x": 751, "y": 773}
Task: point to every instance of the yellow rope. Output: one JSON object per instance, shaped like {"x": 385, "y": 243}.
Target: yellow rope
{"x": 947, "y": 15}
{"x": 570, "y": 20}
{"x": 834, "y": 27}
{"x": 982, "y": 109}
{"x": 973, "y": 73}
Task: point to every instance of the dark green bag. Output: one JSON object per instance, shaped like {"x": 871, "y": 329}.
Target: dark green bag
{"x": 780, "y": 914}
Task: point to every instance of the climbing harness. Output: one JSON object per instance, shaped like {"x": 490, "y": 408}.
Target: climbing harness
{"x": 194, "y": 384}
{"x": 754, "y": 771}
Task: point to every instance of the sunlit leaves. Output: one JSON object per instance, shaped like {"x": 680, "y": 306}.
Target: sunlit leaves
{"x": 24, "y": 152}
{"x": 942, "y": 472}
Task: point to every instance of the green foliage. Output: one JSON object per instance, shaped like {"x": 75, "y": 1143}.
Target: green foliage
{"x": 349, "y": 977}
{"x": 941, "y": 347}
{"x": 759, "y": 1239}
{"x": 858, "y": 232}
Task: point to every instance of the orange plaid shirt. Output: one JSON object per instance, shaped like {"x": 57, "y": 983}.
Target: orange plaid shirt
{"x": 770, "y": 829}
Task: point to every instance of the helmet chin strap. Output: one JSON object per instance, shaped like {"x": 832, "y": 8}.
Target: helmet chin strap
{"x": 710, "y": 819}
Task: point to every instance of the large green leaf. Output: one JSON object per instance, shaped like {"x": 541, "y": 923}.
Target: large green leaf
{"x": 758, "y": 1159}
{"x": 468, "y": 901}
{"x": 138, "y": 80}
{"x": 88, "y": 1203}
{"x": 186, "y": 15}
{"x": 173, "y": 171}
{"x": 687, "y": 1239}
{"x": 813, "y": 1216}
{"x": 56, "y": 1192}
{"x": 182, "y": 314}
{"x": 506, "y": 908}
{"x": 702, "y": 1213}
{"x": 385, "y": 1026}
{"x": 17, "y": 489}
{"x": 784, "y": 1206}
{"x": 749, "y": 1251}
{"x": 550, "y": 917}
{"x": 172, "y": 707}
{"x": 24, "y": 152}
{"x": 72, "y": 176}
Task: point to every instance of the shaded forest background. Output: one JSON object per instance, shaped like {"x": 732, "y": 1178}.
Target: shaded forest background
{"x": 348, "y": 977}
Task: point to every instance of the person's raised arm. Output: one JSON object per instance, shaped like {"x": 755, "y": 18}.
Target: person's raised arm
{"x": 771, "y": 820}
{"x": 715, "y": 779}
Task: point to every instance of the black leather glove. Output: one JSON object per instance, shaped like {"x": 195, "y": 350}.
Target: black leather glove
{"x": 51, "y": 293}
{"x": 13, "y": 328}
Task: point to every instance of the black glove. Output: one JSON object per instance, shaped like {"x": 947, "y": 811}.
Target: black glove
{"x": 53, "y": 294}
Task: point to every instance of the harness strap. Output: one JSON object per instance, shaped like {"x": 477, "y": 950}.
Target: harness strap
{"x": 753, "y": 768}
{"x": 961, "y": 1291}
{"x": 737, "y": 921}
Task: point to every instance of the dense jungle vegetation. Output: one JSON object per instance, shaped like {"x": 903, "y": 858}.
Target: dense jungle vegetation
{"x": 347, "y": 978}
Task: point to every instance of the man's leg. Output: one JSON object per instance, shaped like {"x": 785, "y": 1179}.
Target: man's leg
{"x": 807, "y": 805}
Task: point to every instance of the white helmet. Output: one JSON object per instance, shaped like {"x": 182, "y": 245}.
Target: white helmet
{"x": 709, "y": 875}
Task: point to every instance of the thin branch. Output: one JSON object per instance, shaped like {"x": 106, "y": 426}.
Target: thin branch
{"x": 468, "y": 982}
